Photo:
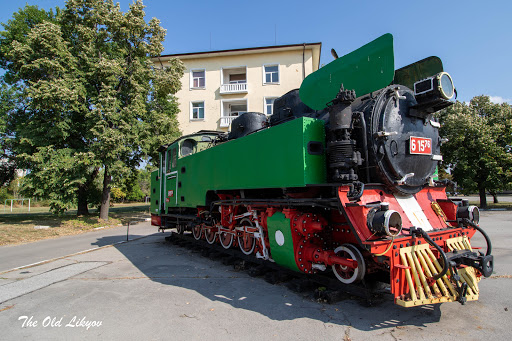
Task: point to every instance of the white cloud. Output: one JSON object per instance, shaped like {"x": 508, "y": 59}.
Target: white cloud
{"x": 499, "y": 99}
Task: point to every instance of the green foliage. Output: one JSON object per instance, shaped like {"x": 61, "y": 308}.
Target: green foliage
{"x": 17, "y": 29}
{"x": 4, "y": 195}
{"x": 478, "y": 151}
{"x": 117, "y": 194}
{"x": 131, "y": 184}
{"x": 44, "y": 183}
{"x": 7, "y": 164}
{"x": 91, "y": 102}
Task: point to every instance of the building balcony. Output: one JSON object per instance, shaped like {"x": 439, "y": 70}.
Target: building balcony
{"x": 225, "y": 121}
{"x": 234, "y": 88}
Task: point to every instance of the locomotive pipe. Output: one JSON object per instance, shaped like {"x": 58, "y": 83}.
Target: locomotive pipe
{"x": 479, "y": 229}
{"x": 365, "y": 146}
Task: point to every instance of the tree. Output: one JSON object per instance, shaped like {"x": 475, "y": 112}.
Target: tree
{"x": 7, "y": 166}
{"x": 16, "y": 29}
{"x": 478, "y": 151}
{"x": 93, "y": 102}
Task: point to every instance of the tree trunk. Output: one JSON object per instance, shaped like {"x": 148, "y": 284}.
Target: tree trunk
{"x": 483, "y": 198}
{"x": 82, "y": 201}
{"x": 494, "y": 198}
{"x": 105, "y": 196}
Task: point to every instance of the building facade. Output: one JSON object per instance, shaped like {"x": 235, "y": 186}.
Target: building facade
{"x": 218, "y": 86}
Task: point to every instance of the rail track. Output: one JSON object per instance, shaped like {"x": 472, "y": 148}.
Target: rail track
{"x": 321, "y": 287}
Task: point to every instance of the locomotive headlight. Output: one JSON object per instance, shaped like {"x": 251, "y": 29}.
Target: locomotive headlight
{"x": 445, "y": 85}
{"x": 471, "y": 213}
{"x": 387, "y": 222}
{"x": 432, "y": 94}
{"x": 440, "y": 85}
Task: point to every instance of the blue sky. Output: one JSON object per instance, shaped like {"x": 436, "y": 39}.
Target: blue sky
{"x": 473, "y": 38}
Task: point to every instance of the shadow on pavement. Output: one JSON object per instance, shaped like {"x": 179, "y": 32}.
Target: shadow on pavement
{"x": 172, "y": 265}
{"x": 109, "y": 240}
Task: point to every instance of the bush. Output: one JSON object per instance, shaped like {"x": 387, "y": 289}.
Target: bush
{"x": 4, "y": 195}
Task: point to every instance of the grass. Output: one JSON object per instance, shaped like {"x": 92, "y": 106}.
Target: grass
{"x": 18, "y": 228}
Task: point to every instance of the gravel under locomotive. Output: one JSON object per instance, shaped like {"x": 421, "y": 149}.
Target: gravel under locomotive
{"x": 334, "y": 182}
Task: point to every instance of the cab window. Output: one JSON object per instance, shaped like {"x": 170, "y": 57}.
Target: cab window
{"x": 174, "y": 157}
{"x": 171, "y": 159}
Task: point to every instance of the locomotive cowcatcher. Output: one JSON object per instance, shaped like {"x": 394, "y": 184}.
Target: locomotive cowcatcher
{"x": 340, "y": 179}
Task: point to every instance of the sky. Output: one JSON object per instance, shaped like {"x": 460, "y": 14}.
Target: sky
{"x": 472, "y": 38}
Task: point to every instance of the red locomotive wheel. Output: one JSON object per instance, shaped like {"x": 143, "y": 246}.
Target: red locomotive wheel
{"x": 347, "y": 274}
{"x": 246, "y": 239}
{"x": 210, "y": 234}
{"x": 197, "y": 231}
{"x": 226, "y": 239}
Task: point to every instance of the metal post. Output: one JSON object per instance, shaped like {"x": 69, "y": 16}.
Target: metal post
{"x": 11, "y": 204}
{"x": 29, "y": 205}
{"x": 127, "y": 231}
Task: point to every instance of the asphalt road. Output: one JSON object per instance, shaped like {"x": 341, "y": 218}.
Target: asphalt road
{"x": 501, "y": 198}
{"x": 151, "y": 290}
{"x": 18, "y": 255}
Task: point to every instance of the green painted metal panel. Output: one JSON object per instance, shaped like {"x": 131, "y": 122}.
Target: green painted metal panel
{"x": 154, "y": 206}
{"x": 369, "y": 68}
{"x": 282, "y": 252}
{"x": 272, "y": 158}
{"x": 410, "y": 74}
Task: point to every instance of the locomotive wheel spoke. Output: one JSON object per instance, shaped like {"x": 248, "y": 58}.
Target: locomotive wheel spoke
{"x": 210, "y": 234}
{"x": 180, "y": 229}
{"x": 226, "y": 239}
{"x": 246, "y": 239}
{"x": 197, "y": 232}
{"x": 345, "y": 274}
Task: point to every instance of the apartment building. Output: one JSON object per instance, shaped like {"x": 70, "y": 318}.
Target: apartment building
{"x": 221, "y": 85}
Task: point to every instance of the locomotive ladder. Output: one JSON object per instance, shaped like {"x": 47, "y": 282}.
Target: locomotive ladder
{"x": 419, "y": 264}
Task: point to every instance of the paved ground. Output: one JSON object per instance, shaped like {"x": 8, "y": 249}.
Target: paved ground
{"x": 501, "y": 198}
{"x": 19, "y": 255}
{"x": 149, "y": 289}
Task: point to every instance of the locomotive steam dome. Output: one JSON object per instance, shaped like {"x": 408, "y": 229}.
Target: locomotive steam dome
{"x": 404, "y": 146}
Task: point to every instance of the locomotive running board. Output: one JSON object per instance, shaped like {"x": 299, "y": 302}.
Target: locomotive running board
{"x": 419, "y": 264}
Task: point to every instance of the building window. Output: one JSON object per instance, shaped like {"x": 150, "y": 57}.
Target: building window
{"x": 197, "y": 111}
{"x": 198, "y": 79}
{"x": 237, "y": 109}
{"x": 237, "y": 78}
{"x": 271, "y": 74}
{"x": 269, "y": 105}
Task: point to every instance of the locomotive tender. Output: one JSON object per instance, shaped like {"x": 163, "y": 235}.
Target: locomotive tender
{"x": 340, "y": 178}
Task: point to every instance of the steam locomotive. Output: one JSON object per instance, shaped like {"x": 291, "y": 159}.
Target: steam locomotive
{"x": 340, "y": 179}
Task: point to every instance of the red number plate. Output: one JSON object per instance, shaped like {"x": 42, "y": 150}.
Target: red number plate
{"x": 420, "y": 145}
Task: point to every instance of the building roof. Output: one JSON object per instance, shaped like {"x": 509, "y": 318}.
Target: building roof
{"x": 316, "y": 47}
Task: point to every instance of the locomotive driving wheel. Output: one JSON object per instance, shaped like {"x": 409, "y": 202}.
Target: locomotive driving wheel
{"x": 246, "y": 239}
{"x": 226, "y": 239}
{"x": 210, "y": 234}
{"x": 197, "y": 231}
{"x": 346, "y": 274}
